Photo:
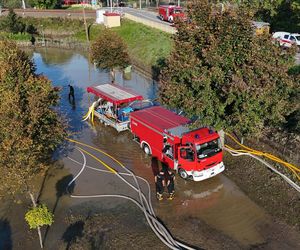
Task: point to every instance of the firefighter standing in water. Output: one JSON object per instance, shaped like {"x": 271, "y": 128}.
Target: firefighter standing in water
{"x": 71, "y": 93}
{"x": 170, "y": 184}
{"x": 160, "y": 184}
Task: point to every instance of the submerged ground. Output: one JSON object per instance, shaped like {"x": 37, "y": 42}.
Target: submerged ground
{"x": 213, "y": 214}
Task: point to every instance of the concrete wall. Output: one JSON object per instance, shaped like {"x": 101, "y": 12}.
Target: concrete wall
{"x": 156, "y": 25}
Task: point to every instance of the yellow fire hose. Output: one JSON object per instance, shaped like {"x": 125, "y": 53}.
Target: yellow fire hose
{"x": 90, "y": 113}
{"x": 295, "y": 170}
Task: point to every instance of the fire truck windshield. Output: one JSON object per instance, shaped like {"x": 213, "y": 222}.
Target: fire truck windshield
{"x": 208, "y": 149}
{"x": 177, "y": 11}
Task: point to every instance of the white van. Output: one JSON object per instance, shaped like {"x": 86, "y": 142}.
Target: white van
{"x": 286, "y": 39}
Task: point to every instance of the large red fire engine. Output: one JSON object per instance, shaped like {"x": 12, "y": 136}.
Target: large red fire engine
{"x": 194, "y": 154}
{"x": 170, "y": 12}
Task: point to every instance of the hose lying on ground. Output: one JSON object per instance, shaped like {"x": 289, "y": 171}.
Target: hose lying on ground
{"x": 289, "y": 181}
{"x": 144, "y": 204}
{"x": 295, "y": 170}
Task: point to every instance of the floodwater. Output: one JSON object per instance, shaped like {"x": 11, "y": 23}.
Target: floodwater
{"x": 217, "y": 202}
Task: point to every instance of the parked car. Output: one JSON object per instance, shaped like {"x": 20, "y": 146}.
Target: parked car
{"x": 286, "y": 39}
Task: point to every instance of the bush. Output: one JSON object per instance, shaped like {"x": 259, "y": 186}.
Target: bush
{"x": 39, "y": 216}
{"x": 109, "y": 51}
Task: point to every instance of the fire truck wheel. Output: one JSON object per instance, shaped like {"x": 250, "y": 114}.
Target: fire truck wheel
{"x": 146, "y": 149}
{"x": 182, "y": 173}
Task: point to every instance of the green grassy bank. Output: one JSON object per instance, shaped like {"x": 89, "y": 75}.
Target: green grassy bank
{"x": 146, "y": 46}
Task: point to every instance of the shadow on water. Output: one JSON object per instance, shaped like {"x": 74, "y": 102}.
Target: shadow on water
{"x": 5, "y": 235}
{"x": 156, "y": 69}
{"x": 62, "y": 189}
{"x": 73, "y": 232}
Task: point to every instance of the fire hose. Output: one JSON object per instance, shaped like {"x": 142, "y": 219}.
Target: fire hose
{"x": 255, "y": 154}
{"x": 145, "y": 205}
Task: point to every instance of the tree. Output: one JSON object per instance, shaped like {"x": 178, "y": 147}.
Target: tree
{"x": 109, "y": 51}
{"x": 45, "y": 4}
{"x": 30, "y": 130}
{"x": 282, "y": 14}
{"x": 224, "y": 74}
{"x": 11, "y": 3}
{"x": 12, "y": 23}
{"x": 37, "y": 217}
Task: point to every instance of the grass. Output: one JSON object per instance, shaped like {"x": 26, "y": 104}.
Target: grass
{"x": 147, "y": 44}
{"x": 15, "y": 37}
{"x": 55, "y": 25}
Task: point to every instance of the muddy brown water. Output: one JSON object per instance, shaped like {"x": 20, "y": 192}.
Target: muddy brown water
{"x": 217, "y": 202}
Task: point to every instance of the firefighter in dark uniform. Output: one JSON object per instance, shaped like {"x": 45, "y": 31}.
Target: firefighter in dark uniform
{"x": 170, "y": 184}
{"x": 160, "y": 184}
{"x": 71, "y": 93}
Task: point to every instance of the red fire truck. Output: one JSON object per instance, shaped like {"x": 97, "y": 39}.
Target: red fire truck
{"x": 194, "y": 154}
{"x": 170, "y": 12}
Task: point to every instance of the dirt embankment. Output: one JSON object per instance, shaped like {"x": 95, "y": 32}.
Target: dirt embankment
{"x": 263, "y": 186}
{"x": 118, "y": 229}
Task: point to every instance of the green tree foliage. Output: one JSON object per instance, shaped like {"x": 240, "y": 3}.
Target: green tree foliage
{"x": 12, "y": 23}
{"x": 45, "y": 4}
{"x": 293, "y": 120}
{"x": 11, "y": 3}
{"x": 287, "y": 17}
{"x": 39, "y": 216}
{"x": 282, "y": 14}
{"x": 109, "y": 51}
{"x": 30, "y": 130}
{"x": 30, "y": 29}
{"x": 224, "y": 74}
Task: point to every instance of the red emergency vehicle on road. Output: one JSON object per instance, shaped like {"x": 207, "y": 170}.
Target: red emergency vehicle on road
{"x": 194, "y": 154}
{"x": 170, "y": 12}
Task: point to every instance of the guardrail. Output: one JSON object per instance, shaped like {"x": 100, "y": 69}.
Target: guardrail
{"x": 156, "y": 25}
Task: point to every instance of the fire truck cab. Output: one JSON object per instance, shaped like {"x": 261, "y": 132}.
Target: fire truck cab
{"x": 170, "y": 12}
{"x": 194, "y": 154}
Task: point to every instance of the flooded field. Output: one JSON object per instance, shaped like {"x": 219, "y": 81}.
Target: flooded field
{"x": 213, "y": 207}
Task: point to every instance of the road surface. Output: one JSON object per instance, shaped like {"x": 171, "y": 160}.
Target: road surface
{"x": 149, "y": 15}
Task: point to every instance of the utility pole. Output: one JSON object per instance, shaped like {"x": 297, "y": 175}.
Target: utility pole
{"x": 85, "y": 26}
{"x": 140, "y": 4}
{"x": 23, "y": 4}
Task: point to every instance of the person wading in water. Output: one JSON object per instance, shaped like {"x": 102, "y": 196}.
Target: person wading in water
{"x": 71, "y": 93}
